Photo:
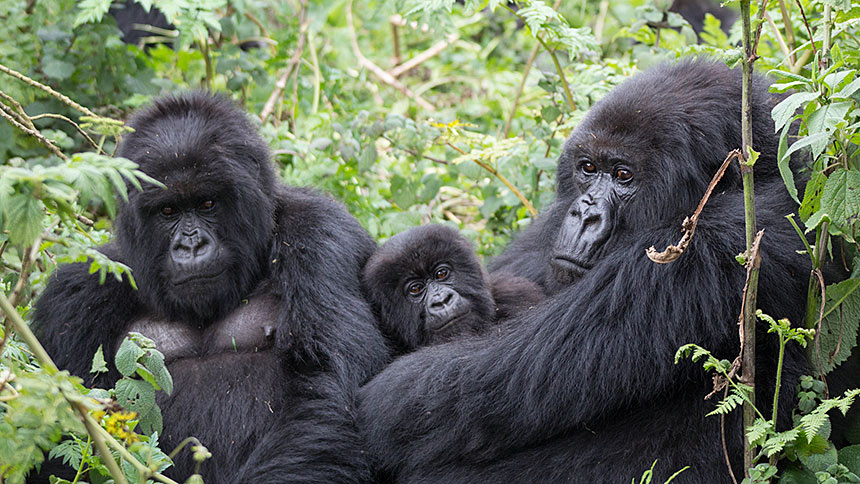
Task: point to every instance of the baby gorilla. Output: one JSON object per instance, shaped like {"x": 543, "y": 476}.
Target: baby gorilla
{"x": 427, "y": 286}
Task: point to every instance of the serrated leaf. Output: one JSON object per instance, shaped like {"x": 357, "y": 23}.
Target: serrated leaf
{"x": 840, "y": 325}
{"x": 783, "y": 164}
{"x": 785, "y": 111}
{"x": 153, "y": 361}
{"x": 99, "y": 364}
{"x": 135, "y": 395}
{"x": 850, "y": 458}
{"x": 23, "y": 217}
{"x": 92, "y": 11}
{"x": 841, "y": 199}
{"x": 151, "y": 422}
{"x": 127, "y": 356}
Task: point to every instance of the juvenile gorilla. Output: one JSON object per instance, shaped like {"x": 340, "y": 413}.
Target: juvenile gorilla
{"x": 427, "y": 286}
{"x": 584, "y": 388}
{"x": 251, "y": 289}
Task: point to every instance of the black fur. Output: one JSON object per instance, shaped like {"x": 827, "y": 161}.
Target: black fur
{"x": 583, "y": 388}
{"x": 415, "y": 256}
{"x": 284, "y": 414}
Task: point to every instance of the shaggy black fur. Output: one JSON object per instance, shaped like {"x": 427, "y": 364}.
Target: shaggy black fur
{"x": 279, "y": 408}
{"x": 584, "y": 388}
{"x": 428, "y": 286}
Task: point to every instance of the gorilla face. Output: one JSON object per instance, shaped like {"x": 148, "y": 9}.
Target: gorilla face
{"x": 428, "y": 286}
{"x": 618, "y": 172}
{"x": 199, "y": 245}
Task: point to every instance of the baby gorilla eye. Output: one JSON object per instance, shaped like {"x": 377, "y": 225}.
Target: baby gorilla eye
{"x": 589, "y": 167}
{"x": 623, "y": 174}
{"x": 207, "y": 205}
{"x": 167, "y": 210}
{"x": 442, "y": 273}
{"x": 415, "y": 288}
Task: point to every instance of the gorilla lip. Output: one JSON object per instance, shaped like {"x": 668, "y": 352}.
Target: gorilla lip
{"x": 570, "y": 265}
{"x": 198, "y": 278}
{"x": 452, "y": 321}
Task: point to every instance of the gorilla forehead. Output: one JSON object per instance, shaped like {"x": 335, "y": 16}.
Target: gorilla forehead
{"x": 418, "y": 251}
{"x": 183, "y": 140}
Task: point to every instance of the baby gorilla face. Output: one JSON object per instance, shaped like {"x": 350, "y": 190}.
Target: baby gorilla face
{"x": 427, "y": 286}
{"x": 441, "y": 306}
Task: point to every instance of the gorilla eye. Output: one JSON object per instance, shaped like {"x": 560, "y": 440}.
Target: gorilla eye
{"x": 623, "y": 174}
{"x": 442, "y": 273}
{"x": 207, "y": 205}
{"x": 415, "y": 288}
{"x": 588, "y": 167}
{"x": 167, "y": 210}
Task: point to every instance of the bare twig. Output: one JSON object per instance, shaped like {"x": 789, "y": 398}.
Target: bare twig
{"x": 780, "y": 41}
{"x": 32, "y": 132}
{"x": 520, "y": 88}
{"x": 673, "y": 252}
{"x": 395, "y": 35}
{"x": 502, "y": 179}
{"x": 19, "y": 110}
{"x": 378, "y": 71}
{"x": 419, "y": 59}
{"x": 723, "y": 439}
{"x": 415, "y": 153}
{"x": 808, "y": 30}
{"x": 47, "y": 89}
{"x": 293, "y": 63}
{"x": 78, "y": 128}
{"x": 789, "y": 30}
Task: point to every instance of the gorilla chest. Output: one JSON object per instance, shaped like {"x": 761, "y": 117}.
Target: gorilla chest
{"x": 243, "y": 334}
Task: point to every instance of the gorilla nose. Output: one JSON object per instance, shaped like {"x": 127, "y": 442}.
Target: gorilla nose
{"x": 441, "y": 299}
{"x": 191, "y": 246}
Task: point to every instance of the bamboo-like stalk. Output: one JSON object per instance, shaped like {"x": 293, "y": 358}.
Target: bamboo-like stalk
{"x": 749, "y": 303}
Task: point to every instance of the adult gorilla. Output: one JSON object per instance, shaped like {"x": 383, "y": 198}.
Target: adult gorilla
{"x": 250, "y": 287}
{"x": 583, "y": 388}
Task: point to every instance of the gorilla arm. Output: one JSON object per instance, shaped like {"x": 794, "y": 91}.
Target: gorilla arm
{"x": 76, "y": 314}
{"x": 328, "y": 333}
{"x": 590, "y": 350}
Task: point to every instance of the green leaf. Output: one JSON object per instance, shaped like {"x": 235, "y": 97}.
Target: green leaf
{"x": 841, "y": 199}
{"x": 784, "y": 166}
{"x": 850, "y": 458}
{"x": 812, "y": 197}
{"x": 127, "y": 356}
{"x": 99, "y": 363}
{"x": 785, "y": 111}
{"x": 368, "y": 157}
{"x": 23, "y": 216}
{"x": 840, "y": 325}
{"x": 92, "y": 11}
{"x": 403, "y": 191}
{"x": 819, "y": 462}
{"x": 135, "y": 395}
{"x": 153, "y": 361}
{"x": 57, "y": 69}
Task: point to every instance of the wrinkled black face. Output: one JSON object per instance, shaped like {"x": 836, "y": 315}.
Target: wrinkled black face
{"x": 441, "y": 305}
{"x": 599, "y": 184}
{"x": 427, "y": 286}
{"x": 195, "y": 255}
{"x": 199, "y": 244}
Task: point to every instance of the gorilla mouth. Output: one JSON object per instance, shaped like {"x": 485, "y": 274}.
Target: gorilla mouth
{"x": 196, "y": 278}
{"x": 452, "y": 321}
{"x": 569, "y": 265}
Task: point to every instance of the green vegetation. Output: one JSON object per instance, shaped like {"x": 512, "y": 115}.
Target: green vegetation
{"x": 408, "y": 111}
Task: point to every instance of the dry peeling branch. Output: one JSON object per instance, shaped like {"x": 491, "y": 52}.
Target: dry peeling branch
{"x": 673, "y": 252}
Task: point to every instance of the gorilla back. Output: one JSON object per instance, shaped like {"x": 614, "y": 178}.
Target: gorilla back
{"x": 251, "y": 289}
{"x": 583, "y": 388}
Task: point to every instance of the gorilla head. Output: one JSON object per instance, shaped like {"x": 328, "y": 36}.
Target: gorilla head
{"x": 617, "y": 177}
{"x": 427, "y": 286}
{"x": 182, "y": 241}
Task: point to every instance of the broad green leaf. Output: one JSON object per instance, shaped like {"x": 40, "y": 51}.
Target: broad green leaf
{"x": 850, "y": 458}
{"x": 135, "y": 395}
{"x": 839, "y": 327}
{"x": 58, "y": 69}
{"x": 785, "y": 111}
{"x": 23, "y": 218}
{"x": 784, "y": 166}
{"x": 153, "y": 361}
{"x": 127, "y": 356}
{"x": 841, "y": 199}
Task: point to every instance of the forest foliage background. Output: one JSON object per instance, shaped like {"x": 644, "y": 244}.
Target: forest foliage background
{"x": 409, "y": 112}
